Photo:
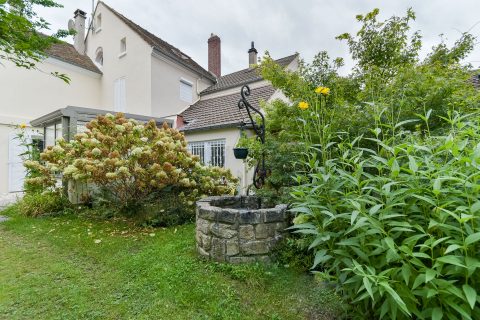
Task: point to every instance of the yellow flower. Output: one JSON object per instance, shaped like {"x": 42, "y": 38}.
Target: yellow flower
{"x": 23, "y": 126}
{"x": 323, "y": 90}
{"x": 303, "y": 105}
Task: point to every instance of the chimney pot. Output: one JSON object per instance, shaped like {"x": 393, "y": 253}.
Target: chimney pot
{"x": 214, "y": 55}
{"x": 252, "y": 55}
{"x": 79, "y": 37}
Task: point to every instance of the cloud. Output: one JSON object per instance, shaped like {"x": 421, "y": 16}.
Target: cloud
{"x": 280, "y": 26}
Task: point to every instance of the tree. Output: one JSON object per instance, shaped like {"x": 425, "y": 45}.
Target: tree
{"x": 21, "y": 40}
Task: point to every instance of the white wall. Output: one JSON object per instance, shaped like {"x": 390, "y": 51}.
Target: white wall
{"x": 166, "y": 77}
{"x": 28, "y": 94}
{"x": 231, "y": 136}
{"x": 135, "y": 66}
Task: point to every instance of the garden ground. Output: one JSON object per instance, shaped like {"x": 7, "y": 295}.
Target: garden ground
{"x": 70, "y": 267}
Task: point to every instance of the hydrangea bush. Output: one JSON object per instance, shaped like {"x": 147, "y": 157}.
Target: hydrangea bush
{"x": 130, "y": 161}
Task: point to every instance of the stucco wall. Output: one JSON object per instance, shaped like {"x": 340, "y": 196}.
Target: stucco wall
{"x": 28, "y": 94}
{"x": 231, "y": 136}
{"x": 135, "y": 66}
{"x": 166, "y": 77}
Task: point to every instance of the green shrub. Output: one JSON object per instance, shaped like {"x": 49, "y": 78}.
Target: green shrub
{"x": 37, "y": 204}
{"x": 397, "y": 227}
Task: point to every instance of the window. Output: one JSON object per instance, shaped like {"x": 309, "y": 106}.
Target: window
{"x": 186, "y": 91}
{"x": 98, "y": 23}
{"x": 120, "y": 95}
{"x": 123, "y": 47}
{"x": 99, "y": 56}
{"x": 210, "y": 152}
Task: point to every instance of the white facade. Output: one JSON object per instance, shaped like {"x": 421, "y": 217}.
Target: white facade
{"x": 135, "y": 78}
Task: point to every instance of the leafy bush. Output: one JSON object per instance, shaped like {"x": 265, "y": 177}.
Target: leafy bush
{"x": 129, "y": 163}
{"x": 37, "y": 204}
{"x": 398, "y": 226}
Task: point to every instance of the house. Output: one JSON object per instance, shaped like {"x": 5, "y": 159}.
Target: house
{"x": 212, "y": 125}
{"x": 114, "y": 65}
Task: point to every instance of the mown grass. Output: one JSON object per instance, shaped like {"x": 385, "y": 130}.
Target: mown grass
{"x": 70, "y": 267}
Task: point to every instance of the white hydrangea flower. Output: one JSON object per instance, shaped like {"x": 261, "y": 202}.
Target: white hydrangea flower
{"x": 138, "y": 128}
{"x": 96, "y": 152}
{"x": 144, "y": 139}
{"x": 136, "y": 151}
{"x": 120, "y": 128}
{"x": 109, "y": 116}
{"x": 57, "y": 148}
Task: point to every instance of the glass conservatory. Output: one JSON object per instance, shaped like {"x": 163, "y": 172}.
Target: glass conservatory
{"x": 66, "y": 122}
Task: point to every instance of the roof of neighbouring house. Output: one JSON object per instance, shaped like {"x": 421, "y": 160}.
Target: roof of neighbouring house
{"x": 162, "y": 46}
{"x": 244, "y": 76}
{"x": 476, "y": 79}
{"x": 223, "y": 111}
{"x": 67, "y": 53}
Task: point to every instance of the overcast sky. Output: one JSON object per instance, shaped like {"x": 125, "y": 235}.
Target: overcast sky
{"x": 280, "y": 26}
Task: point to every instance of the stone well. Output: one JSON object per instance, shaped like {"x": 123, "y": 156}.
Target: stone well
{"x": 237, "y": 229}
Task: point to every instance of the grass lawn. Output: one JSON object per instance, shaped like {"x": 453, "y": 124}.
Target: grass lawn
{"x": 69, "y": 267}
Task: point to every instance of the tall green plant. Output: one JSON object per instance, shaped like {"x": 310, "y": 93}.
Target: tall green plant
{"x": 397, "y": 226}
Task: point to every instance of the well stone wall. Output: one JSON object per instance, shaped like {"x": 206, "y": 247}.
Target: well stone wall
{"x": 237, "y": 229}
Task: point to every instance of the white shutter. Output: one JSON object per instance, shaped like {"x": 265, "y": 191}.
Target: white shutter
{"x": 120, "y": 96}
{"x": 16, "y": 170}
{"x": 186, "y": 91}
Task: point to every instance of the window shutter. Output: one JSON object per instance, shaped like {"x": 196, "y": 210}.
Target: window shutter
{"x": 186, "y": 91}
{"x": 120, "y": 96}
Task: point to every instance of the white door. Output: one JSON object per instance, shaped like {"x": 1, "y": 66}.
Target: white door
{"x": 16, "y": 171}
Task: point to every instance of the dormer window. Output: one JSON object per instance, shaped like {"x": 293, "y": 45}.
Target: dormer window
{"x": 123, "y": 47}
{"x": 98, "y": 23}
{"x": 99, "y": 57}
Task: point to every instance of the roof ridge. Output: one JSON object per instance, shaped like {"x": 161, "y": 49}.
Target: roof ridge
{"x": 256, "y": 66}
{"x": 158, "y": 43}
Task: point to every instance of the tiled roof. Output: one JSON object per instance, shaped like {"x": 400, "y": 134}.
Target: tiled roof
{"x": 67, "y": 53}
{"x": 222, "y": 111}
{"x": 163, "y": 46}
{"x": 243, "y": 76}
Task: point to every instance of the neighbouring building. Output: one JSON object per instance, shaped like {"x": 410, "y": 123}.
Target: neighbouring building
{"x": 114, "y": 65}
{"x": 213, "y": 124}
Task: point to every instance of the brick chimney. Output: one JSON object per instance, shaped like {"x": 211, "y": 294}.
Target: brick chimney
{"x": 214, "y": 55}
{"x": 252, "y": 55}
{"x": 79, "y": 27}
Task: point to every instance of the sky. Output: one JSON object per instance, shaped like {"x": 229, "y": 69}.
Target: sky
{"x": 282, "y": 27}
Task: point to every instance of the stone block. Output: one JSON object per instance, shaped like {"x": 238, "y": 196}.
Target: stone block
{"x": 222, "y": 230}
{"x": 227, "y": 216}
{"x": 218, "y": 249}
{"x": 202, "y": 253}
{"x": 206, "y": 242}
{"x": 203, "y": 226}
{"x": 275, "y": 216}
{"x": 264, "y": 231}
{"x": 238, "y": 260}
{"x": 254, "y": 247}
{"x": 207, "y": 213}
{"x": 246, "y": 232}
{"x": 250, "y": 217}
{"x": 232, "y": 247}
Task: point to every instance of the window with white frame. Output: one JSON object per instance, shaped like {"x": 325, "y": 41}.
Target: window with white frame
{"x": 211, "y": 153}
{"x": 186, "y": 91}
{"x": 123, "y": 47}
{"x": 98, "y": 23}
{"x": 99, "y": 57}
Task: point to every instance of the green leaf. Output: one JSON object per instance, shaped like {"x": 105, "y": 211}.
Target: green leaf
{"x": 452, "y": 247}
{"x": 320, "y": 257}
{"x": 368, "y": 287}
{"x": 437, "y": 185}
{"x": 437, "y": 313}
{"x": 429, "y": 275}
{"x": 455, "y": 260}
{"x": 406, "y": 273}
{"x": 472, "y": 238}
{"x": 395, "y": 297}
{"x": 471, "y": 295}
{"x": 412, "y": 164}
{"x": 475, "y": 207}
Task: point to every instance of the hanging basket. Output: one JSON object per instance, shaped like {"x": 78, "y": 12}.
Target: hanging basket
{"x": 240, "y": 153}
